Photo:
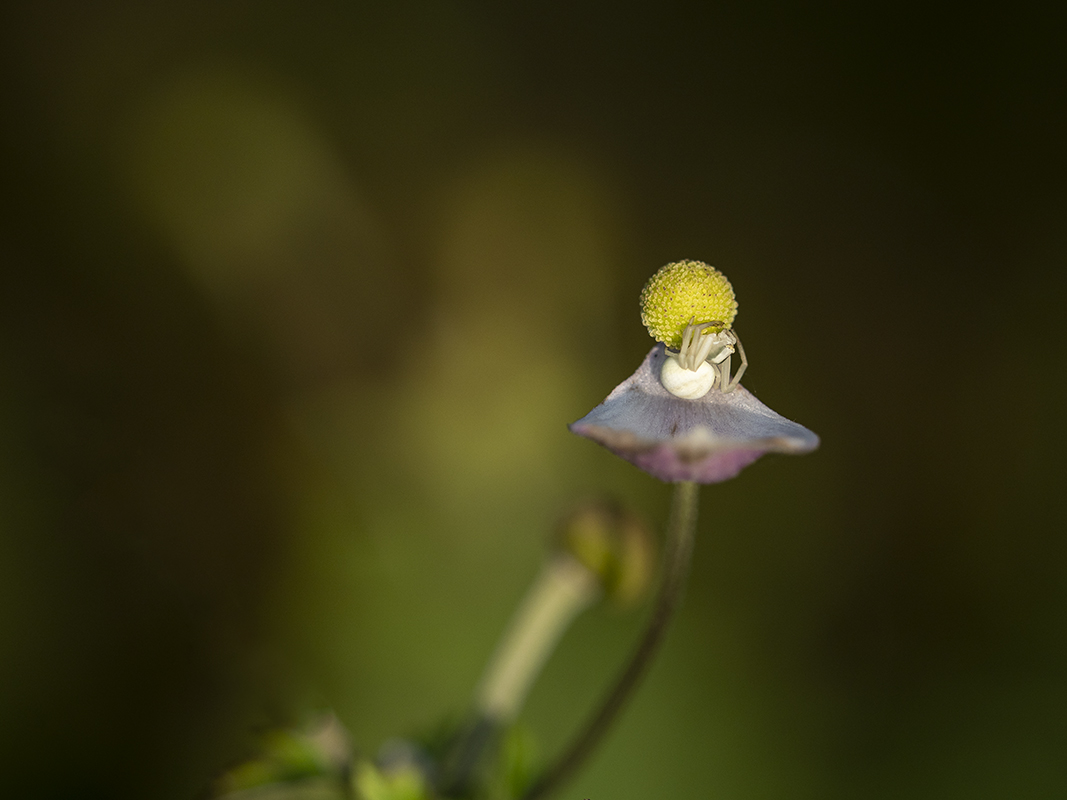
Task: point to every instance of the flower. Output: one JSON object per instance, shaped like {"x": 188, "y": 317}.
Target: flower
{"x": 706, "y": 440}
{"x": 665, "y": 418}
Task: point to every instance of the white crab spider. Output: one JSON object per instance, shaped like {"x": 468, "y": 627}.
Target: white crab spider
{"x": 702, "y": 361}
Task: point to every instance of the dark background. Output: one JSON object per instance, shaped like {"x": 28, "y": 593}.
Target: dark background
{"x": 297, "y": 299}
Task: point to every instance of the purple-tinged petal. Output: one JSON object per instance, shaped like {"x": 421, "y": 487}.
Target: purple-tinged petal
{"x": 706, "y": 440}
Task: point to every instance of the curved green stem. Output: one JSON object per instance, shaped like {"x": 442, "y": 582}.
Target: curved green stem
{"x": 563, "y": 589}
{"x": 676, "y": 561}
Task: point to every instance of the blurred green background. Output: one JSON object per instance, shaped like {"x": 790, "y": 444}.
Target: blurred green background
{"x": 297, "y": 300}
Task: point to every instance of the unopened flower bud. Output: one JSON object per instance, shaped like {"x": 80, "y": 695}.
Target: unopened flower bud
{"x": 615, "y": 544}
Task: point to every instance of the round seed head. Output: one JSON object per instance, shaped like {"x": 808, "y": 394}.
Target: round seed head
{"x": 682, "y": 292}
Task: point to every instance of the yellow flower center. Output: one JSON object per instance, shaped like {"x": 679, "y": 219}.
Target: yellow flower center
{"x": 687, "y": 293}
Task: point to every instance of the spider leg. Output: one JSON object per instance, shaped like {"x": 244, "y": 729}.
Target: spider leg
{"x": 724, "y": 375}
{"x": 706, "y": 343}
{"x": 687, "y": 337}
{"x": 740, "y": 370}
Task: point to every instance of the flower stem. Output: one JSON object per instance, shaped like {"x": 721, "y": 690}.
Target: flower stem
{"x": 676, "y": 561}
{"x": 563, "y": 589}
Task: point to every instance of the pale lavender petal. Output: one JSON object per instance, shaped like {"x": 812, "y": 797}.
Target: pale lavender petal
{"x": 706, "y": 440}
